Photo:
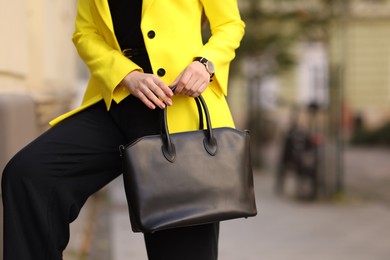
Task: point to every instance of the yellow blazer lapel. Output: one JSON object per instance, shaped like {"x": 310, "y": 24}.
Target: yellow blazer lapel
{"x": 104, "y": 11}
{"x": 145, "y": 5}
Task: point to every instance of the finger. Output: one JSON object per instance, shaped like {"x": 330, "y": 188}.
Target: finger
{"x": 197, "y": 86}
{"x": 154, "y": 98}
{"x": 164, "y": 88}
{"x": 174, "y": 86}
{"x": 165, "y": 93}
{"x": 190, "y": 87}
{"x": 144, "y": 99}
{"x": 204, "y": 86}
{"x": 162, "y": 92}
{"x": 201, "y": 89}
{"x": 145, "y": 92}
{"x": 156, "y": 90}
{"x": 182, "y": 83}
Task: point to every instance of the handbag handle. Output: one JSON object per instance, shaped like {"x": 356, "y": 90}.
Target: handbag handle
{"x": 209, "y": 142}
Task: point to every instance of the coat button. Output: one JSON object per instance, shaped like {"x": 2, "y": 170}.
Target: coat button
{"x": 161, "y": 72}
{"x": 151, "y": 34}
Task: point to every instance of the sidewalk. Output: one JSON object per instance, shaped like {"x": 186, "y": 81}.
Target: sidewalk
{"x": 355, "y": 229}
{"x": 368, "y": 173}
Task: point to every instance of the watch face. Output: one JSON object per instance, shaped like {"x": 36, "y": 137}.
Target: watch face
{"x": 210, "y": 67}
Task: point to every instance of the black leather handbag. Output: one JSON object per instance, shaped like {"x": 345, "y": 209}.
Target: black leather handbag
{"x": 188, "y": 178}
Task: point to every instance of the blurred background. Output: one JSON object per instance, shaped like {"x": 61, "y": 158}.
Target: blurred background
{"x": 311, "y": 81}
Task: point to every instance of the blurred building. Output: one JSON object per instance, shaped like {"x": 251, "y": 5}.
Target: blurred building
{"x": 330, "y": 53}
{"x": 357, "y": 46}
{"x": 367, "y": 60}
{"x": 37, "y": 57}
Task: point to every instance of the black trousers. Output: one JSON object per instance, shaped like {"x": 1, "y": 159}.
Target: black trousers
{"x": 46, "y": 184}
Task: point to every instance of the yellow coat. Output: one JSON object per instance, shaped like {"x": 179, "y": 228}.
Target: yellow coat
{"x": 177, "y": 40}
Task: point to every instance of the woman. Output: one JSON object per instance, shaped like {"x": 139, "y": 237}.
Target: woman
{"x": 137, "y": 51}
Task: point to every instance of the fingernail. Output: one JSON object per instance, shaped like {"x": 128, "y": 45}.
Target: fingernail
{"x": 169, "y": 102}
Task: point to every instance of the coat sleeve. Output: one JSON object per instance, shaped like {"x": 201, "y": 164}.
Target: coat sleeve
{"x": 100, "y": 51}
{"x": 227, "y": 30}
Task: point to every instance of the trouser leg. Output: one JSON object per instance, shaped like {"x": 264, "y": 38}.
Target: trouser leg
{"x": 46, "y": 184}
{"x": 189, "y": 243}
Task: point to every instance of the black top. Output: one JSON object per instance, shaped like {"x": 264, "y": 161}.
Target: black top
{"x": 126, "y": 18}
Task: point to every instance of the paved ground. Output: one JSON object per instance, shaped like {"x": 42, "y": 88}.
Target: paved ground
{"x": 368, "y": 173}
{"x": 355, "y": 228}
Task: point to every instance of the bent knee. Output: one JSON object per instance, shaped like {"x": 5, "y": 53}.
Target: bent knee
{"x": 17, "y": 171}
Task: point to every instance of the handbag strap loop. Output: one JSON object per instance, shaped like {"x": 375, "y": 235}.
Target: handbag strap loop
{"x": 210, "y": 143}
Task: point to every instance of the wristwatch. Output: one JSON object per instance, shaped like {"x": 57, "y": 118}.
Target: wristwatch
{"x": 208, "y": 64}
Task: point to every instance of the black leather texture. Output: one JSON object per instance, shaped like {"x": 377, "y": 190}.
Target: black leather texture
{"x": 188, "y": 178}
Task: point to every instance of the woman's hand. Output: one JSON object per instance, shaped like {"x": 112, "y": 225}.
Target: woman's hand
{"x": 151, "y": 90}
{"x": 193, "y": 80}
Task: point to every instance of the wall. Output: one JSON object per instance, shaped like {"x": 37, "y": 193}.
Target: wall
{"x": 36, "y": 54}
{"x": 38, "y": 70}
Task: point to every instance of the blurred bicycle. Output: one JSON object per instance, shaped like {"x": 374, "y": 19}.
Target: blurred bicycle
{"x": 301, "y": 154}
